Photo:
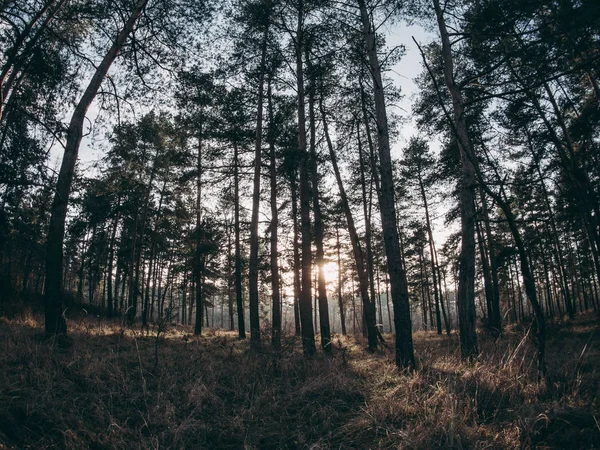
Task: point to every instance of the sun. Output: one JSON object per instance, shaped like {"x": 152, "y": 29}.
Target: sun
{"x": 331, "y": 272}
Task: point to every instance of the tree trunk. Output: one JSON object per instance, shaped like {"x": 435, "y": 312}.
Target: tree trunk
{"x": 238, "y": 252}
{"x": 324, "y": 325}
{"x": 404, "y": 345}
{"x": 356, "y": 249}
{"x": 367, "y": 218}
{"x": 466, "y": 282}
{"x": 253, "y": 263}
{"x": 111, "y": 257}
{"x": 339, "y": 286}
{"x": 308, "y": 334}
{"x": 436, "y": 291}
{"x": 55, "y": 322}
{"x": 497, "y": 315}
{"x": 276, "y": 299}
{"x": 199, "y": 269}
{"x": 296, "y": 245}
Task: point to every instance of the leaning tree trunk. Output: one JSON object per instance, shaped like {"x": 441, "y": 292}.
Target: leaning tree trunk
{"x": 363, "y": 281}
{"x": 404, "y": 345}
{"x": 55, "y": 322}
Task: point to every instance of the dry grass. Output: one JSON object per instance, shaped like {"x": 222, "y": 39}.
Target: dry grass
{"x": 105, "y": 389}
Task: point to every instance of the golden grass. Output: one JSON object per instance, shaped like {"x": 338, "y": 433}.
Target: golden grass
{"x": 106, "y": 389}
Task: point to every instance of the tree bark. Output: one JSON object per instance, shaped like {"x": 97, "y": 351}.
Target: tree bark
{"x": 308, "y": 334}
{"x": 276, "y": 299}
{"x": 238, "y": 252}
{"x": 404, "y": 345}
{"x": 253, "y": 263}
{"x": 199, "y": 269}
{"x": 466, "y": 282}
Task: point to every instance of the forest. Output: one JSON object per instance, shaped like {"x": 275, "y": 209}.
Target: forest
{"x": 236, "y": 225}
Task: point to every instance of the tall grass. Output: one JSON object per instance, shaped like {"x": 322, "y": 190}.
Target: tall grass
{"x": 113, "y": 387}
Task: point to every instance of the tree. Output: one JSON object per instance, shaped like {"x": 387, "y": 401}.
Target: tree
{"x": 404, "y": 347}
{"x": 55, "y": 322}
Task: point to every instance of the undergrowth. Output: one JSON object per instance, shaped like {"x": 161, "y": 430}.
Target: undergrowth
{"x": 113, "y": 387}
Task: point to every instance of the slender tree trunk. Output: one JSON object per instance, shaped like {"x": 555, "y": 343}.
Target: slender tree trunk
{"x": 184, "y": 295}
{"x": 199, "y": 257}
{"x": 356, "y": 249}
{"x": 367, "y": 218}
{"x": 324, "y": 325}
{"x": 253, "y": 263}
{"x": 466, "y": 282}
{"x": 276, "y": 307}
{"x": 230, "y": 282}
{"x": 487, "y": 280}
{"x": 135, "y": 287}
{"x": 436, "y": 292}
{"x": 399, "y": 286}
{"x": 497, "y": 315}
{"x": 308, "y": 334}
{"x": 238, "y": 252}
{"x": 297, "y": 266}
{"x": 111, "y": 257}
{"x": 151, "y": 258}
{"x": 339, "y": 286}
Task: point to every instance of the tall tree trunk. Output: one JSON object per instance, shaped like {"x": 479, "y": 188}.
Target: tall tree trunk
{"x": 276, "y": 299}
{"x": 497, "y": 315}
{"x": 135, "y": 286}
{"x": 253, "y": 263}
{"x": 487, "y": 280}
{"x": 230, "y": 281}
{"x": 296, "y": 245}
{"x": 319, "y": 232}
{"x": 404, "y": 346}
{"x": 308, "y": 334}
{"x": 184, "y": 295}
{"x": 199, "y": 257}
{"x": 436, "y": 291}
{"x": 367, "y": 218}
{"x": 339, "y": 286}
{"x": 111, "y": 257}
{"x": 151, "y": 259}
{"x": 356, "y": 249}
{"x": 466, "y": 282}
{"x": 239, "y": 299}
{"x": 55, "y": 322}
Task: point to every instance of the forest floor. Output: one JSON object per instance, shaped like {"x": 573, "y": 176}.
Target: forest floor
{"x": 112, "y": 387}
